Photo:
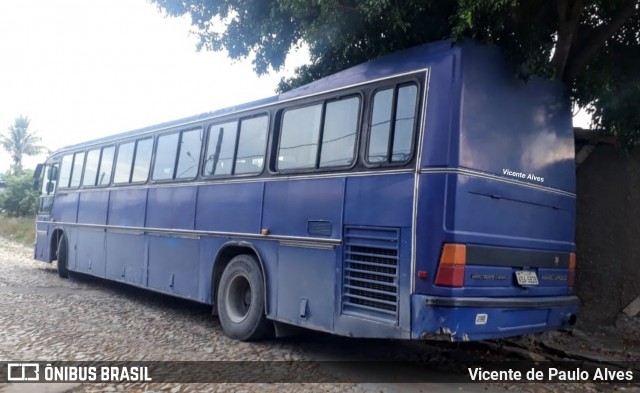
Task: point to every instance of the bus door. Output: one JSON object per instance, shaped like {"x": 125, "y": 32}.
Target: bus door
{"x": 47, "y": 187}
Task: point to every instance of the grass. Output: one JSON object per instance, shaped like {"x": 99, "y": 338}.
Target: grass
{"x": 18, "y": 229}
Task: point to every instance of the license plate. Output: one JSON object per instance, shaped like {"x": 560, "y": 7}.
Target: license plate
{"x": 526, "y": 278}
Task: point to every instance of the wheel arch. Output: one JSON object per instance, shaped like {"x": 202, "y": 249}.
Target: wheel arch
{"x": 225, "y": 254}
{"x": 53, "y": 243}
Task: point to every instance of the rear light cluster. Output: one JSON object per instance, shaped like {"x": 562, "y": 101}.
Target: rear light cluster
{"x": 454, "y": 259}
{"x": 451, "y": 268}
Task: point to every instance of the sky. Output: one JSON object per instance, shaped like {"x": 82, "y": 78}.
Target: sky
{"x": 84, "y": 69}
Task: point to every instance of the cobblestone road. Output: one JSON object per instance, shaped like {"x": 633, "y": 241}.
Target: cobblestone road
{"x": 46, "y": 318}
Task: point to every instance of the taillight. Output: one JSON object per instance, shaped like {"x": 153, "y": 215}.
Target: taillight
{"x": 451, "y": 268}
{"x": 572, "y": 269}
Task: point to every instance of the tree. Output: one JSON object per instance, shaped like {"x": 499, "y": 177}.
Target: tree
{"x": 20, "y": 142}
{"x": 591, "y": 45}
{"x": 19, "y": 198}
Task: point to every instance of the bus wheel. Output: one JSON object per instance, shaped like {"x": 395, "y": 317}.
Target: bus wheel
{"x": 241, "y": 300}
{"x": 62, "y": 257}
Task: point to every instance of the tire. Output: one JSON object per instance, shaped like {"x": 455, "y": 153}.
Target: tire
{"x": 241, "y": 298}
{"x": 63, "y": 271}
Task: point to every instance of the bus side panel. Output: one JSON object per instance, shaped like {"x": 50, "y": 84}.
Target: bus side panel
{"x": 306, "y": 293}
{"x": 171, "y": 208}
{"x": 65, "y": 208}
{"x": 92, "y": 209}
{"x": 127, "y": 207}
{"x": 291, "y": 207}
{"x": 230, "y": 207}
{"x": 126, "y": 257}
{"x": 379, "y": 200}
{"x": 126, "y": 249}
{"x": 306, "y": 275}
{"x": 173, "y": 264}
{"x": 377, "y": 234}
{"x": 90, "y": 256}
{"x": 43, "y": 239}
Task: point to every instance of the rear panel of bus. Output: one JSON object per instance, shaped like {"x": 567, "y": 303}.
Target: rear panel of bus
{"x": 496, "y": 209}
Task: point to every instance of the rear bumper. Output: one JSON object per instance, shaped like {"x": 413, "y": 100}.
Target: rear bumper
{"x": 481, "y": 318}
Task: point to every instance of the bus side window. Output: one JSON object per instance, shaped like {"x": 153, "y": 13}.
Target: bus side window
{"x": 142, "y": 160}
{"x": 252, "y": 143}
{"x": 65, "y": 171}
{"x": 165, "y": 157}
{"x": 44, "y": 189}
{"x": 189, "y": 154}
{"x": 405, "y": 123}
{"x": 299, "y": 138}
{"x": 392, "y": 124}
{"x": 123, "y": 163}
{"x": 220, "y": 149}
{"x": 106, "y": 166}
{"x": 91, "y": 168}
{"x": 76, "y": 173}
{"x": 339, "y": 132}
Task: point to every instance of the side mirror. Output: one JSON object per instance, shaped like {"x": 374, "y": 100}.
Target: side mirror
{"x": 38, "y": 171}
{"x": 36, "y": 184}
{"x": 49, "y": 187}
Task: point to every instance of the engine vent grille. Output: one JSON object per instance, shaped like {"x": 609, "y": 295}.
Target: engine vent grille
{"x": 370, "y": 272}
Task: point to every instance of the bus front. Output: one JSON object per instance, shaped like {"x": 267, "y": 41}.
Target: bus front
{"x": 495, "y": 222}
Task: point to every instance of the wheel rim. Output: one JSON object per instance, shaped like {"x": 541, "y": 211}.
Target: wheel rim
{"x": 238, "y": 298}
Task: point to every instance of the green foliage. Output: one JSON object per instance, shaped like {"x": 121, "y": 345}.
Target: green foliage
{"x": 591, "y": 45}
{"x": 19, "y": 229}
{"x": 19, "y": 199}
{"x": 20, "y": 142}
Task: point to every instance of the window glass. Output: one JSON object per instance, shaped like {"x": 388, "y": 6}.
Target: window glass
{"x": 405, "y": 120}
{"x": 91, "y": 168}
{"x": 45, "y": 180}
{"x": 123, "y": 163}
{"x": 78, "y": 161}
{"x": 189, "y": 157}
{"x": 299, "y": 138}
{"x": 65, "y": 171}
{"x": 220, "y": 149}
{"x": 393, "y": 122}
{"x": 165, "y": 157}
{"x": 106, "y": 165}
{"x": 142, "y": 160}
{"x": 380, "y": 126}
{"x": 252, "y": 145}
{"x": 339, "y": 132}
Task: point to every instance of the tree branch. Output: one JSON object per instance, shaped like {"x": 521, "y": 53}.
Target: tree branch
{"x": 568, "y": 18}
{"x": 580, "y": 61}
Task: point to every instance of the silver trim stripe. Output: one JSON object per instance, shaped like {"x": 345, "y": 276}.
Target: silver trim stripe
{"x": 241, "y": 180}
{"x": 474, "y": 173}
{"x": 300, "y": 241}
{"x": 416, "y": 183}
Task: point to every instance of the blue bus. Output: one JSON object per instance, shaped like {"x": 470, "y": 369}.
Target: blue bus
{"x": 427, "y": 194}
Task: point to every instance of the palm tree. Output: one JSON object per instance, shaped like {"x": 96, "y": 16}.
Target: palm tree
{"x": 20, "y": 142}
